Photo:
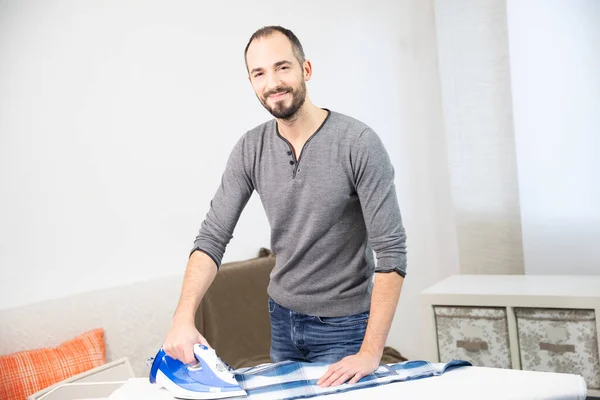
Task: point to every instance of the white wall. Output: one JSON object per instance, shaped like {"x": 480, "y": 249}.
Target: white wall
{"x": 555, "y": 70}
{"x": 116, "y": 119}
{"x": 478, "y": 123}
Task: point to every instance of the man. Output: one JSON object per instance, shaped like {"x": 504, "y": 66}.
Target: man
{"x": 325, "y": 181}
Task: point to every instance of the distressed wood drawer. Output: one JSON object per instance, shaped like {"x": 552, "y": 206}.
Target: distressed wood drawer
{"x": 475, "y": 334}
{"x": 559, "y": 340}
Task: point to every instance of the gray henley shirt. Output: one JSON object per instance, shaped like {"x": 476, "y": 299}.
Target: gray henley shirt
{"x": 328, "y": 210}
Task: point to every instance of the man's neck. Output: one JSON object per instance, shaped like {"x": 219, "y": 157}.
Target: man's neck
{"x": 305, "y": 123}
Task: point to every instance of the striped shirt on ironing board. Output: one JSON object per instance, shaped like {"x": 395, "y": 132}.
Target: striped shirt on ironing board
{"x": 294, "y": 380}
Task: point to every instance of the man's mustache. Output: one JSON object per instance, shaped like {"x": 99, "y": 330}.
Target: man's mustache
{"x": 280, "y": 89}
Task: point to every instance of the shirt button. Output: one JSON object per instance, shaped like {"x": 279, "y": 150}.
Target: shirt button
{"x": 292, "y": 162}
{"x": 289, "y": 153}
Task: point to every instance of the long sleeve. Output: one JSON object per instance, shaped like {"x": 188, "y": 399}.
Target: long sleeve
{"x": 227, "y": 205}
{"x": 374, "y": 180}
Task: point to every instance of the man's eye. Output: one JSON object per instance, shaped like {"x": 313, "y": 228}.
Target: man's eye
{"x": 258, "y": 74}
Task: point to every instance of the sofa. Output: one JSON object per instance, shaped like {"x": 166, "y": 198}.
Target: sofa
{"x": 233, "y": 317}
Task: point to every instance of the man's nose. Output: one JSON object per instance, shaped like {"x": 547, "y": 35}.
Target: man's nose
{"x": 272, "y": 81}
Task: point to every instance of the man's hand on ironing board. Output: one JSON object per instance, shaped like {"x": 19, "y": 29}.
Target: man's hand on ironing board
{"x": 180, "y": 341}
{"x": 351, "y": 368}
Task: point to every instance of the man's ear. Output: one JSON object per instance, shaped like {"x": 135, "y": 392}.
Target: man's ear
{"x": 307, "y": 70}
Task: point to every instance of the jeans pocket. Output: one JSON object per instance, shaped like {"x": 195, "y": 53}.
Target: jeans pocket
{"x": 350, "y": 320}
{"x": 272, "y": 305}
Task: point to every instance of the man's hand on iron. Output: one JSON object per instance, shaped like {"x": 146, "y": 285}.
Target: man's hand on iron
{"x": 351, "y": 368}
{"x": 180, "y": 341}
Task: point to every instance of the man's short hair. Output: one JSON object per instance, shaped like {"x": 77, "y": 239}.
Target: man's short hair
{"x": 269, "y": 30}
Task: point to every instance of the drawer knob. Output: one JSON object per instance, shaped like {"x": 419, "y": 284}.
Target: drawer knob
{"x": 557, "y": 348}
{"x": 472, "y": 345}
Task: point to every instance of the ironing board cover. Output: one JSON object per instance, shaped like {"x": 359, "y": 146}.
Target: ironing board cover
{"x": 295, "y": 380}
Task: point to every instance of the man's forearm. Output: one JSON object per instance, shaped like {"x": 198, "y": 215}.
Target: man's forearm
{"x": 199, "y": 275}
{"x": 384, "y": 299}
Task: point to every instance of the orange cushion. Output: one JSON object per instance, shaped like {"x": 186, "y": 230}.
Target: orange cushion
{"x": 27, "y": 372}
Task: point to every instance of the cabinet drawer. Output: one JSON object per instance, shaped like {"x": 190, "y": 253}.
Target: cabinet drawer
{"x": 475, "y": 334}
{"x": 556, "y": 340}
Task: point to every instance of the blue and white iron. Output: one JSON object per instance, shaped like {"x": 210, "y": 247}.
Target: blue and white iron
{"x": 210, "y": 378}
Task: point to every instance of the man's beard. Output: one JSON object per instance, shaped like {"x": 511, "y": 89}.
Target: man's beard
{"x": 279, "y": 110}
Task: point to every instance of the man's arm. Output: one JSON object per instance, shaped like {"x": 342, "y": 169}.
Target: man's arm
{"x": 384, "y": 299}
{"x": 199, "y": 275}
{"x": 386, "y": 292}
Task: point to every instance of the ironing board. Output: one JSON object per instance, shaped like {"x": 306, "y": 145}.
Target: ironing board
{"x": 466, "y": 383}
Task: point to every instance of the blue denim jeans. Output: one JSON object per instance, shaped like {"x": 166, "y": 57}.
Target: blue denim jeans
{"x": 300, "y": 337}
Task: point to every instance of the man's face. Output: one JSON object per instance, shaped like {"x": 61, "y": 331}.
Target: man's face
{"x": 276, "y": 76}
